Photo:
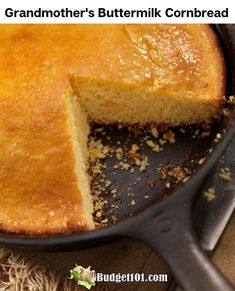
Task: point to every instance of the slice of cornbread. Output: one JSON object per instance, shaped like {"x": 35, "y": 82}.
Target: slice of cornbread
{"x": 44, "y": 185}
{"x": 172, "y": 74}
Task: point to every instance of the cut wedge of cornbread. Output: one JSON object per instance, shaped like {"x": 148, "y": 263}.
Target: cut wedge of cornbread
{"x": 44, "y": 185}
{"x": 56, "y": 78}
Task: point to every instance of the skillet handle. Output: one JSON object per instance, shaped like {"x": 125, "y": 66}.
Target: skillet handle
{"x": 169, "y": 233}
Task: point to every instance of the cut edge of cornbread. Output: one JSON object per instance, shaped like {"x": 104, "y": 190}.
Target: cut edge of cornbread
{"x": 80, "y": 131}
{"x": 117, "y": 102}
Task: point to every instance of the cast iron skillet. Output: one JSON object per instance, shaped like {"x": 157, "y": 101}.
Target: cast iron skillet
{"x": 163, "y": 225}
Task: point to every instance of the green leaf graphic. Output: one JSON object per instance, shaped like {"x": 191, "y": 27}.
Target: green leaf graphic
{"x": 75, "y": 276}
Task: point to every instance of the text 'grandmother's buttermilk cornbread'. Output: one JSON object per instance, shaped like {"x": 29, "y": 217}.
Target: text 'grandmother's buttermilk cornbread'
{"x": 57, "y": 78}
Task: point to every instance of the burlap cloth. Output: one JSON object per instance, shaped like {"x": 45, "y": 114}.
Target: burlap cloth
{"x": 27, "y": 270}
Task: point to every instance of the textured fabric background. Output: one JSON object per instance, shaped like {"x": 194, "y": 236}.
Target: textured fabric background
{"x": 24, "y": 270}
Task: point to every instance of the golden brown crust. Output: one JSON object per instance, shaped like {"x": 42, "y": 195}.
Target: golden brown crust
{"x": 38, "y": 192}
{"x": 219, "y": 60}
{"x": 178, "y": 69}
{"x": 221, "y": 65}
{"x": 38, "y": 184}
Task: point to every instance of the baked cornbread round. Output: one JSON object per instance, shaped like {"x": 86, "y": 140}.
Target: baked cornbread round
{"x": 56, "y": 78}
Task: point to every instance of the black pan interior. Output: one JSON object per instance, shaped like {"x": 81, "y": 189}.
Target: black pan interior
{"x": 131, "y": 192}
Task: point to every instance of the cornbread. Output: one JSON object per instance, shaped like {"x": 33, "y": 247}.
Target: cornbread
{"x": 153, "y": 73}
{"x": 56, "y": 78}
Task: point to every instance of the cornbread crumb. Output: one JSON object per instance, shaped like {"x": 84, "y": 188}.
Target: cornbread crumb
{"x": 201, "y": 161}
{"x": 154, "y": 132}
{"x": 169, "y": 136}
{"x": 151, "y": 182}
{"x": 124, "y": 166}
{"x": 155, "y": 147}
{"x": 185, "y": 179}
{"x": 99, "y": 213}
{"x": 205, "y": 134}
{"x": 226, "y": 112}
{"x": 168, "y": 185}
{"x": 119, "y": 153}
{"x": 134, "y": 148}
{"x": 162, "y": 141}
{"x": 209, "y": 195}
{"x": 114, "y": 218}
{"x": 97, "y": 150}
{"x": 107, "y": 183}
{"x": 133, "y": 202}
{"x": 225, "y": 174}
{"x": 232, "y": 99}
{"x": 104, "y": 221}
{"x": 150, "y": 143}
{"x": 144, "y": 163}
{"x": 218, "y": 137}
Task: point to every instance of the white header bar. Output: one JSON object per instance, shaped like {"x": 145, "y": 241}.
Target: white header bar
{"x": 108, "y": 11}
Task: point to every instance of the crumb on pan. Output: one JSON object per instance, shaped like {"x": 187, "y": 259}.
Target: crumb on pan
{"x": 209, "y": 195}
{"x": 225, "y": 174}
{"x": 131, "y": 156}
